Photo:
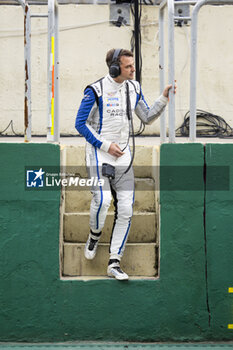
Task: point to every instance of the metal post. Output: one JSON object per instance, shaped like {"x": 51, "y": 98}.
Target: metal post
{"x": 137, "y": 40}
{"x": 27, "y": 74}
{"x": 171, "y": 70}
{"x": 53, "y": 117}
{"x": 56, "y": 77}
{"x": 161, "y": 72}
{"x": 193, "y": 62}
{"x": 38, "y": 15}
{"x": 193, "y": 72}
{"x": 191, "y": 2}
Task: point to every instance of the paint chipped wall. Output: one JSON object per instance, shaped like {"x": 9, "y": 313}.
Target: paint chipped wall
{"x": 192, "y": 299}
{"x": 82, "y": 55}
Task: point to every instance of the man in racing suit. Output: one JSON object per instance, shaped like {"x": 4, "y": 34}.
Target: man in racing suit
{"x": 104, "y": 121}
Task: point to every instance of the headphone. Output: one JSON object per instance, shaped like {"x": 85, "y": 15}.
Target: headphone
{"x": 114, "y": 69}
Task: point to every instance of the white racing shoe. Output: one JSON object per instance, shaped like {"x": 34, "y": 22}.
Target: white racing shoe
{"x": 90, "y": 247}
{"x": 115, "y": 271}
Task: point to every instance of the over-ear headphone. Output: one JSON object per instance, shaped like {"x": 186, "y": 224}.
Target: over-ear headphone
{"x": 114, "y": 69}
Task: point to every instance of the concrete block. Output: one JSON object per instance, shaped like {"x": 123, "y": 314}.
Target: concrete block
{"x": 143, "y": 161}
{"x": 143, "y": 228}
{"x": 75, "y": 159}
{"x": 79, "y": 201}
{"x": 138, "y": 260}
{"x": 144, "y": 195}
{"x": 75, "y": 155}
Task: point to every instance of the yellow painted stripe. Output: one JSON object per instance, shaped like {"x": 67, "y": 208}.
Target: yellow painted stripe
{"x": 52, "y": 48}
{"x": 52, "y": 116}
{"x": 230, "y": 326}
{"x": 230, "y": 290}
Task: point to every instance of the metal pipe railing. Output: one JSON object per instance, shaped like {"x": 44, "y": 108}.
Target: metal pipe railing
{"x": 53, "y": 97}
{"x": 27, "y": 70}
{"x": 53, "y": 133}
{"x": 39, "y": 15}
{"x": 171, "y": 68}
{"x": 178, "y": 18}
{"x": 162, "y": 74}
{"x": 193, "y": 62}
{"x": 188, "y": 2}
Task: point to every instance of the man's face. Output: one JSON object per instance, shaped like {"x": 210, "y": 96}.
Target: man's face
{"x": 127, "y": 68}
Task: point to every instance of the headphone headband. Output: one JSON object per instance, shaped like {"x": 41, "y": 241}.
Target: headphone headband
{"x": 116, "y": 54}
{"x": 114, "y": 69}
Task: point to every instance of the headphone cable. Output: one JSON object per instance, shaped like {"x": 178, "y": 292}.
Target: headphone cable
{"x": 130, "y": 118}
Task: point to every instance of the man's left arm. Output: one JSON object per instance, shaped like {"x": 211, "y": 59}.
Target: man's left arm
{"x": 149, "y": 114}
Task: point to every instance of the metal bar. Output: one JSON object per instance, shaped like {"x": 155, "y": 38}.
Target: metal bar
{"x": 27, "y": 71}
{"x": 84, "y": 2}
{"x": 16, "y": 2}
{"x": 56, "y": 78}
{"x": 217, "y": 2}
{"x": 185, "y": 2}
{"x": 39, "y": 15}
{"x": 193, "y": 62}
{"x": 137, "y": 44}
{"x": 177, "y": 18}
{"x": 60, "y": 2}
{"x": 193, "y": 75}
{"x": 171, "y": 70}
{"x": 163, "y": 4}
{"x": 53, "y": 117}
{"x": 162, "y": 73}
{"x": 27, "y": 99}
{"x": 50, "y": 120}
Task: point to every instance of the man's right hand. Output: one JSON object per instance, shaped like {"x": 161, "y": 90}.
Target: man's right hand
{"x": 115, "y": 150}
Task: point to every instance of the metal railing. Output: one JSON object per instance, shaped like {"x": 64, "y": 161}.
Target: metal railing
{"x": 170, "y": 4}
{"x": 53, "y": 129}
{"x": 27, "y": 70}
{"x": 171, "y": 64}
{"x": 53, "y": 83}
{"x": 193, "y": 62}
{"x": 53, "y": 133}
{"x": 171, "y": 67}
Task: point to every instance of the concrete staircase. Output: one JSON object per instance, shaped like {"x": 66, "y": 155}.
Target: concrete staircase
{"x": 140, "y": 259}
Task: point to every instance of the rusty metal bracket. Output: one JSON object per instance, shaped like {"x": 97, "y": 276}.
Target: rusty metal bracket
{"x": 27, "y": 73}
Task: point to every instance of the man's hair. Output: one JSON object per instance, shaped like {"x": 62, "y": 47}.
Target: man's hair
{"x": 110, "y": 54}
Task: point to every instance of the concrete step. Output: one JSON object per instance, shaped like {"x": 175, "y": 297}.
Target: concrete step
{"x": 73, "y": 160}
{"x": 140, "y": 257}
{"x": 143, "y": 227}
{"x": 138, "y": 260}
{"x": 79, "y": 201}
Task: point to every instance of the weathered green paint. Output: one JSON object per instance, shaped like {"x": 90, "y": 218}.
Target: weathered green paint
{"x": 37, "y": 306}
{"x": 116, "y": 346}
{"x": 219, "y": 233}
{"x": 182, "y": 238}
{"x": 29, "y": 245}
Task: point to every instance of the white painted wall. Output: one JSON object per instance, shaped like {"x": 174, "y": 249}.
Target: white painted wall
{"x": 82, "y": 61}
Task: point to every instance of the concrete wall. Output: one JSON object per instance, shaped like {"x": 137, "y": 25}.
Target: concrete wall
{"x": 82, "y": 55}
{"x": 190, "y": 300}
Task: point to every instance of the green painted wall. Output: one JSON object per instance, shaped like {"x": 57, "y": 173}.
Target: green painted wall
{"x": 29, "y": 250}
{"x": 37, "y": 306}
{"x": 219, "y": 232}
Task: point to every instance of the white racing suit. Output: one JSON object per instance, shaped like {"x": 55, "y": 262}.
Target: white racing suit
{"x": 102, "y": 119}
